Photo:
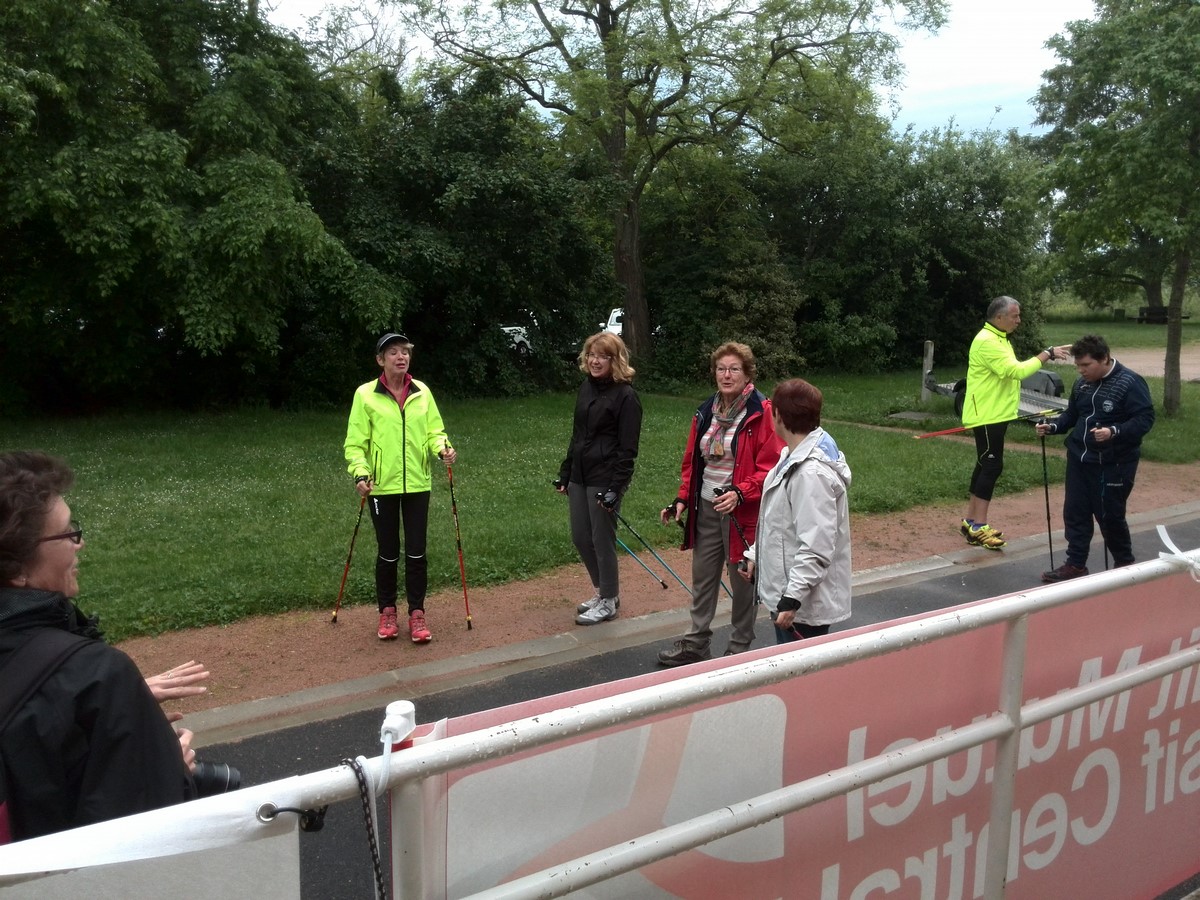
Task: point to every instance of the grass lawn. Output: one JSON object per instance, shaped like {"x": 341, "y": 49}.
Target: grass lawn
{"x": 204, "y": 519}
{"x": 1127, "y": 335}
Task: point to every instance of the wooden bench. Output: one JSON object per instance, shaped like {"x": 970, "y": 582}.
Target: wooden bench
{"x": 1154, "y": 315}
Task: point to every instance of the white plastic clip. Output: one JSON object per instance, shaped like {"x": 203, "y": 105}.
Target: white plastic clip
{"x": 1177, "y": 555}
{"x": 399, "y": 722}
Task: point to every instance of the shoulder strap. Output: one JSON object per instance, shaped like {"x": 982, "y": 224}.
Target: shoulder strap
{"x": 30, "y": 665}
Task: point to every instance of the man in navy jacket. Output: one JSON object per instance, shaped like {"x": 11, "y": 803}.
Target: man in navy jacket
{"x": 1109, "y": 413}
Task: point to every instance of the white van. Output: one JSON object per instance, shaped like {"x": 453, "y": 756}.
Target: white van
{"x": 613, "y": 325}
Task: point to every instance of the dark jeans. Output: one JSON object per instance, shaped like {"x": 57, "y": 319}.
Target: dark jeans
{"x": 387, "y": 511}
{"x": 1099, "y": 493}
{"x": 989, "y": 459}
{"x": 798, "y": 632}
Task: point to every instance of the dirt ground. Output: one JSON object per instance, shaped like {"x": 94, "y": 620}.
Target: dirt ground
{"x": 275, "y": 655}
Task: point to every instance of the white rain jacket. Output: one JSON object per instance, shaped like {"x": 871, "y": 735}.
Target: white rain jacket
{"x": 802, "y": 549}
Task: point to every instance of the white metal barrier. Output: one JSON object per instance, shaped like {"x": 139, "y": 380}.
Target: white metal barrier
{"x": 432, "y": 779}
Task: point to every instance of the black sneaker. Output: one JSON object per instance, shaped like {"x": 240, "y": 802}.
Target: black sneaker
{"x": 1065, "y": 572}
{"x": 681, "y": 654}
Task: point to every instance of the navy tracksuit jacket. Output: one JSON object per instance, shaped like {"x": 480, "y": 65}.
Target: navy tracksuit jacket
{"x": 1100, "y": 475}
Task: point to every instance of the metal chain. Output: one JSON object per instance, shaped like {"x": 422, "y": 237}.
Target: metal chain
{"x": 372, "y": 837}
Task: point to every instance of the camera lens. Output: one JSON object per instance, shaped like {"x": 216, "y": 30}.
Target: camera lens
{"x": 215, "y": 778}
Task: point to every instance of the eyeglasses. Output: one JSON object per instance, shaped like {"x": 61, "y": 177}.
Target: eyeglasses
{"x": 75, "y": 536}
{"x": 599, "y": 357}
{"x": 729, "y": 370}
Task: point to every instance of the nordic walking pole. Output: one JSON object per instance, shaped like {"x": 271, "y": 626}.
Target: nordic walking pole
{"x": 1046, "y": 482}
{"x": 960, "y": 429}
{"x": 638, "y": 560}
{"x": 646, "y": 544}
{"x": 723, "y": 584}
{"x": 346, "y": 571}
{"x": 462, "y": 569}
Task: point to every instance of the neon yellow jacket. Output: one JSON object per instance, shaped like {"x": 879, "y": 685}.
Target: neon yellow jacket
{"x": 994, "y": 378}
{"x": 394, "y": 447}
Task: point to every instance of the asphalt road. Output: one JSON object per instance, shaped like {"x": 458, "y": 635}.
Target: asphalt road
{"x": 336, "y": 863}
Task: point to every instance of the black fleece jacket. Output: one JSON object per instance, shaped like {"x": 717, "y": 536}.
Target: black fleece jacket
{"x": 604, "y": 439}
{"x": 92, "y": 743}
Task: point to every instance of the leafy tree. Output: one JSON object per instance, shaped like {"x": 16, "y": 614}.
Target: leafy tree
{"x": 453, "y": 192}
{"x": 1124, "y": 111}
{"x": 149, "y": 210}
{"x": 896, "y": 241}
{"x": 638, "y": 79}
{"x": 1109, "y": 275}
{"x": 713, "y": 272}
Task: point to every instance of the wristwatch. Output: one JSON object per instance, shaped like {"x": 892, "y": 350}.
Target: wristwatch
{"x": 1049, "y": 354}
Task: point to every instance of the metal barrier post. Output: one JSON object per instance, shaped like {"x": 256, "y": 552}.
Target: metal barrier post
{"x": 1012, "y": 681}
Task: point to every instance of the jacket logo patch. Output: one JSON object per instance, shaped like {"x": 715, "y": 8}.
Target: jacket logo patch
{"x": 1107, "y": 406}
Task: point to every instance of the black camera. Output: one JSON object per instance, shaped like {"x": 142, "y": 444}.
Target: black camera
{"x": 215, "y": 778}
{"x": 558, "y": 484}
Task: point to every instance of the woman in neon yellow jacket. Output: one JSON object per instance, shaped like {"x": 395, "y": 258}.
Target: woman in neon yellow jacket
{"x": 394, "y": 432}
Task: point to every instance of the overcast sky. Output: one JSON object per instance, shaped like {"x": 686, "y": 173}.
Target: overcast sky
{"x": 989, "y": 55}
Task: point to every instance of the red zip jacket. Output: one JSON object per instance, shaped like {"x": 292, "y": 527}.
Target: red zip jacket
{"x": 755, "y": 452}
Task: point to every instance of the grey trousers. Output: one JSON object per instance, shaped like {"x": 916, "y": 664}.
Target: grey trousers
{"x": 594, "y": 533}
{"x": 710, "y": 560}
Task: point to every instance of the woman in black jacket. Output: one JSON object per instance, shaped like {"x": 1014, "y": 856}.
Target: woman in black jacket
{"x": 91, "y": 743}
{"x": 599, "y": 465}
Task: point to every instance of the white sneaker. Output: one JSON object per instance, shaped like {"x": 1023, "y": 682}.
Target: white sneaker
{"x": 604, "y": 609}
{"x": 589, "y": 604}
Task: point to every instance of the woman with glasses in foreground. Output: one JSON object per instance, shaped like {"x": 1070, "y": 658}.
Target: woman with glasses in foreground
{"x": 599, "y": 466}
{"x": 731, "y": 448}
{"x": 90, "y": 743}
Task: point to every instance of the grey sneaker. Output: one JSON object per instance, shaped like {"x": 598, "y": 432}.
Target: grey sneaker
{"x": 681, "y": 654}
{"x": 734, "y": 649}
{"x": 588, "y": 604}
{"x": 602, "y": 611}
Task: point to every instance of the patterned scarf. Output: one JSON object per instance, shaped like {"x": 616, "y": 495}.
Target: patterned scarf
{"x": 712, "y": 445}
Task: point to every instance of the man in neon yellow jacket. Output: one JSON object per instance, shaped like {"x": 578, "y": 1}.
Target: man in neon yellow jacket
{"x": 993, "y": 394}
{"x": 394, "y": 432}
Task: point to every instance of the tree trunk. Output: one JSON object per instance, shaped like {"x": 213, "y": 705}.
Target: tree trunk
{"x": 1172, "y": 387}
{"x": 1153, "y": 289}
{"x": 627, "y": 260}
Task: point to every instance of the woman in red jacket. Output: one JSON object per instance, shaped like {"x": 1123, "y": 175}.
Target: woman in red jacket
{"x": 731, "y": 448}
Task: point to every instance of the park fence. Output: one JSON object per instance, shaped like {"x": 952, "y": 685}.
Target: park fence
{"x": 1041, "y": 744}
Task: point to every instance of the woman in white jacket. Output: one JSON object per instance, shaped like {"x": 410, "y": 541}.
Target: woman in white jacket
{"x": 801, "y": 554}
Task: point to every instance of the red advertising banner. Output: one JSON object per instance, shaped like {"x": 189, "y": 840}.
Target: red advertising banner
{"x": 1107, "y": 797}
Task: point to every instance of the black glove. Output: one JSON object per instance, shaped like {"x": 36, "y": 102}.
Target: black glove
{"x": 608, "y": 499}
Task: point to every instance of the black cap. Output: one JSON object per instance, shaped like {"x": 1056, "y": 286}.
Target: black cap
{"x": 389, "y": 338}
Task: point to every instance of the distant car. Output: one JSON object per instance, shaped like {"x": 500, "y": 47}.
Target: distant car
{"x": 518, "y": 339}
{"x": 614, "y": 323}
